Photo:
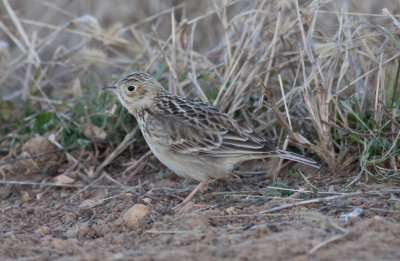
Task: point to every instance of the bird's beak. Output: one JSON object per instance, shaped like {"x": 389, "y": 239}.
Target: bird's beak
{"x": 109, "y": 87}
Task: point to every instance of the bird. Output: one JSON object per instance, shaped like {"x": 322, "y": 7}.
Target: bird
{"x": 191, "y": 138}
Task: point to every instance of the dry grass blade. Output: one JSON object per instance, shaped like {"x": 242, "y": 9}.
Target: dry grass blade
{"x": 118, "y": 150}
{"x": 324, "y": 243}
{"x": 311, "y": 201}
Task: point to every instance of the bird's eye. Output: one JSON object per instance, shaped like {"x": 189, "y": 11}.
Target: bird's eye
{"x": 131, "y": 88}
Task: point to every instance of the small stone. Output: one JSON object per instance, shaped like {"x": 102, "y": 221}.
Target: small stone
{"x": 38, "y": 145}
{"x": 357, "y": 202}
{"x": 397, "y": 205}
{"x": 60, "y": 244}
{"x": 193, "y": 221}
{"x": 147, "y": 200}
{"x": 42, "y": 230}
{"x": 135, "y": 216}
{"x": 69, "y": 218}
{"x": 93, "y": 132}
{"x": 25, "y": 196}
{"x": 261, "y": 232}
{"x": 187, "y": 208}
{"x": 87, "y": 204}
{"x": 45, "y": 241}
{"x": 231, "y": 210}
{"x": 63, "y": 179}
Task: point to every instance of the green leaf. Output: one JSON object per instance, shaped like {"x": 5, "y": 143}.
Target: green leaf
{"x": 44, "y": 117}
{"x": 315, "y": 192}
{"x": 356, "y": 139}
{"x": 44, "y": 121}
{"x": 393, "y": 87}
{"x": 391, "y": 37}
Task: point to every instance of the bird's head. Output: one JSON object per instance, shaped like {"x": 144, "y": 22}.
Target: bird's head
{"x": 136, "y": 91}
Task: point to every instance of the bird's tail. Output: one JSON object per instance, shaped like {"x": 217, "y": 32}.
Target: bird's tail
{"x": 296, "y": 157}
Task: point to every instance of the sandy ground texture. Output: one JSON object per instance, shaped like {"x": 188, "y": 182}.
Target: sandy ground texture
{"x": 223, "y": 223}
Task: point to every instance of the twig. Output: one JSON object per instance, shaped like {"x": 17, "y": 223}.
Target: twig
{"x": 306, "y": 179}
{"x": 12, "y": 161}
{"x": 150, "y": 18}
{"x": 315, "y": 200}
{"x": 169, "y": 231}
{"x": 136, "y": 164}
{"x": 86, "y": 187}
{"x": 20, "y": 29}
{"x": 118, "y": 150}
{"x": 250, "y": 215}
{"x": 51, "y": 184}
{"x": 302, "y": 191}
{"x": 275, "y": 108}
{"x": 166, "y": 58}
{"x": 192, "y": 76}
{"x": 324, "y": 243}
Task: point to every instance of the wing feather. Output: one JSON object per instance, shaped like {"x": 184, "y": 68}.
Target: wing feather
{"x": 189, "y": 127}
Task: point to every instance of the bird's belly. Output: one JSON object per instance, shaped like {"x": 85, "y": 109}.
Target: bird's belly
{"x": 188, "y": 166}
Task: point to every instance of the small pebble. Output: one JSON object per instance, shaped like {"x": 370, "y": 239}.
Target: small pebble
{"x": 231, "y": 210}
{"x": 25, "y": 196}
{"x": 69, "y": 218}
{"x": 42, "y": 230}
{"x": 147, "y": 200}
{"x": 60, "y": 244}
{"x": 135, "y": 216}
{"x": 357, "y": 202}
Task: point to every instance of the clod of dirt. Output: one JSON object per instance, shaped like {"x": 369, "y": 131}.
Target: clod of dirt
{"x": 147, "y": 200}
{"x": 261, "y": 232}
{"x": 187, "y": 208}
{"x": 69, "y": 218}
{"x": 231, "y": 210}
{"x": 33, "y": 147}
{"x": 397, "y": 205}
{"x": 38, "y": 145}
{"x": 25, "y": 196}
{"x": 42, "y": 230}
{"x": 45, "y": 241}
{"x": 60, "y": 244}
{"x": 93, "y": 132}
{"x": 88, "y": 204}
{"x": 135, "y": 216}
{"x": 193, "y": 221}
{"x": 357, "y": 202}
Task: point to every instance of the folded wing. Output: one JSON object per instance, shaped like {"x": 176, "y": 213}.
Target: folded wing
{"x": 194, "y": 128}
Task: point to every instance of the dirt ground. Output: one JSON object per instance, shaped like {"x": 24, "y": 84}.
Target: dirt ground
{"x": 223, "y": 223}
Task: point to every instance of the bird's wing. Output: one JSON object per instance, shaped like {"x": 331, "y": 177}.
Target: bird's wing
{"x": 194, "y": 128}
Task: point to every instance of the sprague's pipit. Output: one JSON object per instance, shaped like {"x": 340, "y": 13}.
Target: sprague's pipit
{"x": 191, "y": 138}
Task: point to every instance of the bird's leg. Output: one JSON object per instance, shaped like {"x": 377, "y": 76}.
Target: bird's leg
{"x": 188, "y": 198}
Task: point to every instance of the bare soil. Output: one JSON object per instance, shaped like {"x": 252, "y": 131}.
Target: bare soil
{"x": 223, "y": 223}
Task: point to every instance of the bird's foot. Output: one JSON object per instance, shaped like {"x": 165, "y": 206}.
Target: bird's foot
{"x": 191, "y": 195}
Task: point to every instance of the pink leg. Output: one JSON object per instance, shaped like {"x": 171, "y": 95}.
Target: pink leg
{"x": 188, "y": 198}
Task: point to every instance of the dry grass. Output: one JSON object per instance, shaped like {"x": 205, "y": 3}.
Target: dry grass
{"x": 323, "y": 72}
